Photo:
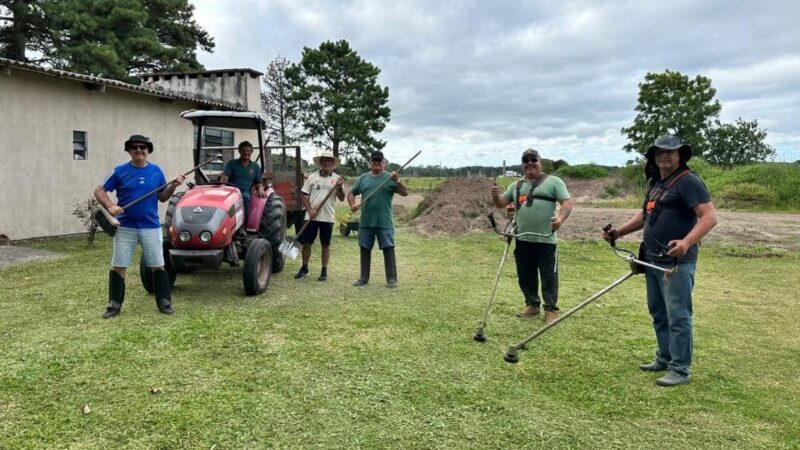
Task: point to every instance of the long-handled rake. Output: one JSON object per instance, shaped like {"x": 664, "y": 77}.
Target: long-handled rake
{"x": 509, "y": 236}
{"x": 290, "y": 247}
{"x": 109, "y": 223}
{"x": 511, "y": 354}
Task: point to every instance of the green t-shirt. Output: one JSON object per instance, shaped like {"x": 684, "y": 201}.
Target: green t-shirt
{"x": 536, "y": 218}
{"x": 377, "y": 212}
{"x": 243, "y": 177}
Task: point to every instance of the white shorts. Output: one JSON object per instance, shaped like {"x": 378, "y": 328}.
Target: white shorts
{"x": 125, "y": 243}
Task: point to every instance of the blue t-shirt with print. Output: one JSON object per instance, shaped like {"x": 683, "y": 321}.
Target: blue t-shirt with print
{"x": 131, "y": 182}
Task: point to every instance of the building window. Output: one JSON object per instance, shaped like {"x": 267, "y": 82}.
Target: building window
{"x": 215, "y": 137}
{"x": 79, "y": 151}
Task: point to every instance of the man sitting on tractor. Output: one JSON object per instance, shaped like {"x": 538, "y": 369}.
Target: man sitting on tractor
{"x": 245, "y": 174}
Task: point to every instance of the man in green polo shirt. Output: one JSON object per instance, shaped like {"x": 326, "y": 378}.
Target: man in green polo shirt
{"x": 535, "y": 197}
{"x": 245, "y": 174}
{"x": 376, "y": 216}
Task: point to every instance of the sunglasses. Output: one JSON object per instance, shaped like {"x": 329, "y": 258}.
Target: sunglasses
{"x": 528, "y": 159}
{"x": 138, "y": 147}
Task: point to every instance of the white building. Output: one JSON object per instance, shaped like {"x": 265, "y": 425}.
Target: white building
{"x": 62, "y": 132}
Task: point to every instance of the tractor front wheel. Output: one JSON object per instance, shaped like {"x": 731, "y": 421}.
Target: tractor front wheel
{"x": 257, "y": 267}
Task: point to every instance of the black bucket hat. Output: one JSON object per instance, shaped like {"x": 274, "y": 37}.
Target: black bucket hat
{"x": 670, "y": 142}
{"x": 139, "y": 138}
{"x": 376, "y": 155}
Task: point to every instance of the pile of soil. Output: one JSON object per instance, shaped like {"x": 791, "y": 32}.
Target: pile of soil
{"x": 458, "y": 205}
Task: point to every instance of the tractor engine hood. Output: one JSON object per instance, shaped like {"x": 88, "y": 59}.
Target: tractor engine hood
{"x": 216, "y": 209}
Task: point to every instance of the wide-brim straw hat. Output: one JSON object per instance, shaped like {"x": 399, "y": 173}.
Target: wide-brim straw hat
{"x": 326, "y": 154}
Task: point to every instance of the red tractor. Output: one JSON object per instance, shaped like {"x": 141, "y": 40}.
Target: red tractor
{"x": 206, "y": 224}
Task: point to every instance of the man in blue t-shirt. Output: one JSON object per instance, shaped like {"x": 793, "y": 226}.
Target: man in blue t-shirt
{"x": 245, "y": 174}
{"x": 376, "y": 216}
{"x": 676, "y": 213}
{"x": 138, "y": 223}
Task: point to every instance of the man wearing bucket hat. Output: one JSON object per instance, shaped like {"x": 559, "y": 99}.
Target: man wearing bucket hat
{"x": 139, "y": 223}
{"x": 377, "y": 187}
{"x": 676, "y": 214}
{"x": 321, "y": 216}
{"x": 535, "y": 197}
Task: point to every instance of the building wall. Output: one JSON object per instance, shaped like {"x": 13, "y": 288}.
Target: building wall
{"x": 40, "y": 180}
{"x": 236, "y": 87}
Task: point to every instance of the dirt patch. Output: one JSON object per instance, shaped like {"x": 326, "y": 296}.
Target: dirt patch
{"x": 583, "y": 191}
{"x": 460, "y": 205}
{"x": 10, "y": 255}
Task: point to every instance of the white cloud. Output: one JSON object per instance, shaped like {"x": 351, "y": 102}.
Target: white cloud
{"x": 475, "y": 82}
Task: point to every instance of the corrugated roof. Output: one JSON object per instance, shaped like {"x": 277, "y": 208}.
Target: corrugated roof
{"x": 200, "y": 72}
{"x": 154, "y": 91}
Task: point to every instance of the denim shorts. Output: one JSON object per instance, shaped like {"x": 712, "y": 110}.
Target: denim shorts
{"x": 125, "y": 243}
{"x": 367, "y": 235}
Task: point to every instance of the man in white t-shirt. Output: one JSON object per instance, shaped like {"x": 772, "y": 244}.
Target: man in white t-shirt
{"x": 322, "y": 216}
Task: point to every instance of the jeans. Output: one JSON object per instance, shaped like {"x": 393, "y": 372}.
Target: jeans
{"x": 669, "y": 300}
{"x": 367, "y": 236}
{"x": 535, "y": 259}
{"x": 125, "y": 241}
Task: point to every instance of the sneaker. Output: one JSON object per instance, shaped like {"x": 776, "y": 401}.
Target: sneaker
{"x": 529, "y": 311}
{"x": 654, "y": 366}
{"x": 673, "y": 379}
{"x": 550, "y": 317}
{"x": 303, "y": 272}
{"x": 110, "y": 312}
{"x": 360, "y": 283}
{"x": 323, "y": 276}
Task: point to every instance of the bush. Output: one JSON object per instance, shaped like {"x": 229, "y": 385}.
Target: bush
{"x": 750, "y": 193}
{"x": 583, "y": 172}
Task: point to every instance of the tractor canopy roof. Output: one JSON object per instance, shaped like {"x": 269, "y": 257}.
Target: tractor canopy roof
{"x": 226, "y": 119}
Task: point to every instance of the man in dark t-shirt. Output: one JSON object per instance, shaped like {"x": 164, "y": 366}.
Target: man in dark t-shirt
{"x": 676, "y": 213}
{"x": 245, "y": 174}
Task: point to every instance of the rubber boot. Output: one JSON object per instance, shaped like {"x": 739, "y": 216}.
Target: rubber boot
{"x": 390, "y": 265}
{"x": 116, "y": 294}
{"x": 162, "y": 291}
{"x": 366, "y": 259}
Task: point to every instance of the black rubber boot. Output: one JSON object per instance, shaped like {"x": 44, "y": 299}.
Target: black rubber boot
{"x": 116, "y": 294}
{"x": 162, "y": 291}
{"x": 390, "y": 264}
{"x": 366, "y": 259}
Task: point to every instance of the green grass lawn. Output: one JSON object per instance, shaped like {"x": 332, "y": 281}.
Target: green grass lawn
{"x": 327, "y": 365}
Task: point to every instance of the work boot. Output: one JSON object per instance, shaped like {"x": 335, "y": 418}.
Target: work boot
{"x": 655, "y": 366}
{"x": 529, "y": 311}
{"x": 323, "y": 275}
{"x": 673, "y": 378}
{"x": 116, "y": 294}
{"x": 301, "y": 273}
{"x": 366, "y": 257}
{"x": 390, "y": 265}
{"x": 550, "y": 317}
{"x": 162, "y": 291}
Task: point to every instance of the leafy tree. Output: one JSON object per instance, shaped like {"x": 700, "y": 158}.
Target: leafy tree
{"x": 282, "y": 115}
{"x": 110, "y": 38}
{"x": 340, "y": 101}
{"x": 22, "y": 26}
{"x": 738, "y": 143}
{"x": 671, "y": 102}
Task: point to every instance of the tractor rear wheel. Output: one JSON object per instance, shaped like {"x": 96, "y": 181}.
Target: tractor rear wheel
{"x": 257, "y": 270}
{"x": 273, "y": 228}
{"x": 146, "y": 273}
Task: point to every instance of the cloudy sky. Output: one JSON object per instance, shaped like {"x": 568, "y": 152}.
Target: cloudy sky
{"x": 477, "y": 82}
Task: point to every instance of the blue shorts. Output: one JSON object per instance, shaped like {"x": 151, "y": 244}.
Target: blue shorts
{"x": 125, "y": 243}
{"x": 367, "y": 235}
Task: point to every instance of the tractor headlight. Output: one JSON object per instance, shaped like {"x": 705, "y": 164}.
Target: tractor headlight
{"x": 184, "y": 236}
{"x": 205, "y": 236}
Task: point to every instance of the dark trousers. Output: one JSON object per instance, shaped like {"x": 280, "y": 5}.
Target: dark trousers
{"x": 535, "y": 260}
